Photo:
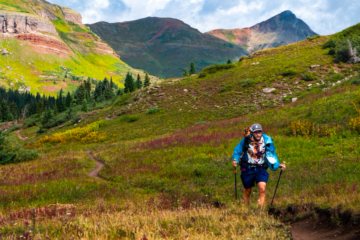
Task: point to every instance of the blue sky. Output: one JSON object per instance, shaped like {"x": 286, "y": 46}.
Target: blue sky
{"x": 323, "y": 16}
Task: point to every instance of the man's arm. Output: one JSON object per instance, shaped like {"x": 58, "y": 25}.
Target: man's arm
{"x": 238, "y": 152}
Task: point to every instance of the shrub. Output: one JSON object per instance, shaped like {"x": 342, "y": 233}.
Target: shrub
{"x": 248, "y": 83}
{"x": 24, "y": 155}
{"x": 289, "y": 72}
{"x": 308, "y": 76}
{"x": 355, "y": 82}
{"x": 29, "y": 123}
{"x": 225, "y": 88}
{"x": 242, "y": 58}
{"x": 152, "y": 110}
{"x": 336, "y": 77}
{"x": 313, "y": 37}
{"x": 217, "y": 67}
{"x": 11, "y": 129}
{"x": 200, "y": 122}
{"x": 202, "y": 75}
{"x": 129, "y": 118}
{"x": 329, "y": 44}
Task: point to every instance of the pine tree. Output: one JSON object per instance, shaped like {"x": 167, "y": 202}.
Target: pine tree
{"x": 81, "y": 94}
{"x": 84, "y": 107}
{"x": 229, "y": 61}
{"x": 71, "y": 113}
{"x": 109, "y": 93}
{"x": 47, "y": 116}
{"x": 192, "y": 68}
{"x": 61, "y": 106}
{"x": 40, "y": 107}
{"x": 185, "y": 74}
{"x": 147, "y": 80}
{"x": 5, "y": 155}
{"x": 14, "y": 110}
{"x": 5, "y": 112}
{"x": 129, "y": 83}
{"x": 55, "y": 111}
{"x": 138, "y": 82}
{"x": 68, "y": 100}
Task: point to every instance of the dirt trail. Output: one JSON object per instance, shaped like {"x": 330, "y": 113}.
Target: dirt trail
{"x": 20, "y": 136}
{"x": 99, "y": 165}
{"x": 310, "y": 229}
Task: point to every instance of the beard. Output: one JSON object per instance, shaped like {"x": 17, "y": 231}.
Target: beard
{"x": 257, "y": 139}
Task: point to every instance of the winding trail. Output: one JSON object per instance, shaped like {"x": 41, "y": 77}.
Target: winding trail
{"x": 99, "y": 165}
{"x": 19, "y": 135}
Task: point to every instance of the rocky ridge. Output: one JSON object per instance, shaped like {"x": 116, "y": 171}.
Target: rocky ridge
{"x": 279, "y": 30}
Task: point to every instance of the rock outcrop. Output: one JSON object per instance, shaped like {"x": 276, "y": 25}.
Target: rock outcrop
{"x": 279, "y": 30}
{"x": 24, "y": 23}
{"x": 70, "y": 15}
{"x": 46, "y": 14}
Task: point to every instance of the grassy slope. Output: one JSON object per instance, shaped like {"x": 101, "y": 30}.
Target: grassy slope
{"x": 163, "y": 162}
{"x": 84, "y": 61}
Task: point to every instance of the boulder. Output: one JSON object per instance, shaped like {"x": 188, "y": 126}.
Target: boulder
{"x": 314, "y": 66}
{"x": 4, "y": 52}
{"x": 255, "y": 63}
{"x": 269, "y": 90}
{"x": 294, "y": 99}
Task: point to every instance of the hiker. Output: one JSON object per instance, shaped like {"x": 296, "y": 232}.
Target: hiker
{"x": 256, "y": 152}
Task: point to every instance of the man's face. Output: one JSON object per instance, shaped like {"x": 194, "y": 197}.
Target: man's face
{"x": 257, "y": 135}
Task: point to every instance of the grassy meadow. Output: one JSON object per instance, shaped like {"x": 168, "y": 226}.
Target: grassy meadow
{"x": 167, "y": 154}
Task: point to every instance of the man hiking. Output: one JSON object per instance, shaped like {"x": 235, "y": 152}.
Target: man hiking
{"x": 256, "y": 153}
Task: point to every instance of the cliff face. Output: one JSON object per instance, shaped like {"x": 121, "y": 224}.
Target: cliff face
{"x": 48, "y": 48}
{"x": 279, "y": 30}
{"x": 70, "y": 15}
{"x": 24, "y": 23}
{"x": 165, "y": 46}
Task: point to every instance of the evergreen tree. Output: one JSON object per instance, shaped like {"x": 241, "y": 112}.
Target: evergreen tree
{"x": 14, "y": 110}
{"x": 147, "y": 80}
{"x": 84, "y": 107}
{"x": 94, "y": 104}
{"x": 192, "y": 68}
{"x": 129, "y": 83}
{"x": 109, "y": 93}
{"x": 229, "y": 61}
{"x": 32, "y": 107}
{"x": 61, "y": 106}
{"x": 71, "y": 113}
{"x": 68, "y": 100}
{"x": 81, "y": 94}
{"x": 5, "y": 155}
{"x": 120, "y": 92}
{"x": 185, "y": 74}
{"x": 5, "y": 112}
{"x": 47, "y": 116}
{"x": 138, "y": 82}
{"x": 55, "y": 111}
{"x": 40, "y": 107}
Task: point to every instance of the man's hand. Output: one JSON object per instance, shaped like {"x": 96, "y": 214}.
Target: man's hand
{"x": 234, "y": 163}
{"x": 282, "y": 166}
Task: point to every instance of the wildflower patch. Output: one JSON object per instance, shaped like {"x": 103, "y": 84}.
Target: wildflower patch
{"x": 87, "y": 134}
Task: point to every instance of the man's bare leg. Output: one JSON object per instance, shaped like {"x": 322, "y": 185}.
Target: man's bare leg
{"x": 262, "y": 188}
{"x": 247, "y": 193}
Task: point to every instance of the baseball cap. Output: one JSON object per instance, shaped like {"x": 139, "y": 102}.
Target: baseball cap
{"x": 255, "y": 127}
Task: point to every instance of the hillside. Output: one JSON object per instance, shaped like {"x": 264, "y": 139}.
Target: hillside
{"x": 45, "y": 47}
{"x": 166, "y": 151}
{"x": 279, "y": 30}
{"x": 165, "y": 46}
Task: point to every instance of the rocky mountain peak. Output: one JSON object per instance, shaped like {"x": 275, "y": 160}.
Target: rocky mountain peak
{"x": 279, "y": 30}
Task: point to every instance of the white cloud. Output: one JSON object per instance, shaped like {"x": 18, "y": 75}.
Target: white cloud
{"x": 323, "y": 16}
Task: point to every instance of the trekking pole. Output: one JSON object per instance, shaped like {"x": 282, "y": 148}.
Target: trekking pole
{"x": 276, "y": 187}
{"x": 235, "y": 183}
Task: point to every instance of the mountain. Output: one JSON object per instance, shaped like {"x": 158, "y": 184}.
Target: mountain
{"x": 45, "y": 47}
{"x": 279, "y": 30}
{"x": 165, "y": 46}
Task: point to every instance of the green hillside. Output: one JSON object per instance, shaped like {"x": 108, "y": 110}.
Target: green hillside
{"x": 165, "y": 46}
{"x": 167, "y": 149}
{"x": 46, "y": 62}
